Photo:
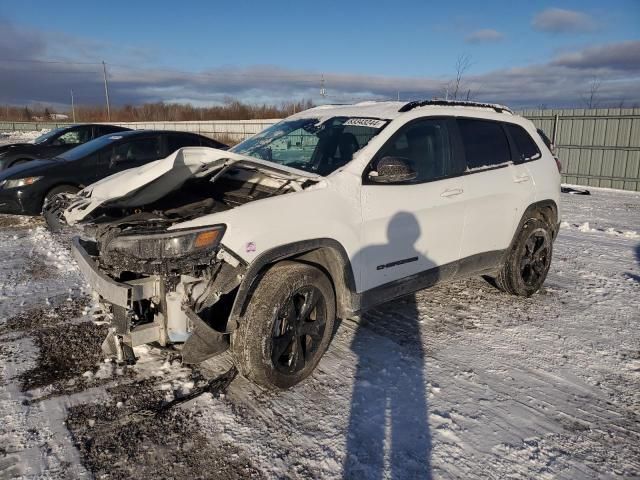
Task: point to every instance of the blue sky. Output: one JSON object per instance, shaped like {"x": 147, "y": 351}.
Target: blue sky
{"x": 345, "y": 40}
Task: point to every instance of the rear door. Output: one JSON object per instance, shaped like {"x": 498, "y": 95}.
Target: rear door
{"x": 496, "y": 189}
{"x": 528, "y": 159}
{"x": 413, "y": 227}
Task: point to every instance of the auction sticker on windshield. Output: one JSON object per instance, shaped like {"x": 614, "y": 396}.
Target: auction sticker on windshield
{"x": 365, "y": 122}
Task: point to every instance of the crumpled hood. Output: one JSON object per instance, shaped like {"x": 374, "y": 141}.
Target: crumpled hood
{"x": 148, "y": 183}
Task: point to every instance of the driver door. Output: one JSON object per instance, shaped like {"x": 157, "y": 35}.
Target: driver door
{"x": 414, "y": 226}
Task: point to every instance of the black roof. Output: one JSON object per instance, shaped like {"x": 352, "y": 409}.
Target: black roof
{"x": 141, "y": 132}
{"x": 73, "y": 125}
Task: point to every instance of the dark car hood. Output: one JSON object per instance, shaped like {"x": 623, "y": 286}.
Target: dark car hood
{"x": 16, "y": 146}
{"x": 29, "y": 169}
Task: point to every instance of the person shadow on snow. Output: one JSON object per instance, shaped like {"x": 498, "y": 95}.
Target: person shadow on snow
{"x": 388, "y": 433}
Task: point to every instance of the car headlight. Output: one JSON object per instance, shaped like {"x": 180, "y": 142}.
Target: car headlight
{"x": 167, "y": 245}
{"x": 20, "y": 182}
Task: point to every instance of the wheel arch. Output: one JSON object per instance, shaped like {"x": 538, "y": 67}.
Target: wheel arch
{"x": 20, "y": 159}
{"x": 324, "y": 253}
{"x": 62, "y": 184}
{"x": 548, "y": 209}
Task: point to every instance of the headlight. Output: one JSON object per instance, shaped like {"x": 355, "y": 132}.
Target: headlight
{"x": 167, "y": 245}
{"x": 20, "y": 182}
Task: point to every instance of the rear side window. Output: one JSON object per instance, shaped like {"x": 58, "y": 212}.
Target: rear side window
{"x": 208, "y": 142}
{"x": 527, "y": 148}
{"x": 545, "y": 139}
{"x": 106, "y": 130}
{"x": 175, "y": 142}
{"x": 142, "y": 150}
{"x": 485, "y": 143}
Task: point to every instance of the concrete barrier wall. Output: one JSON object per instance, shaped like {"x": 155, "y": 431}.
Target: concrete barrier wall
{"x": 599, "y": 147}
{"x": 236, "y": 130}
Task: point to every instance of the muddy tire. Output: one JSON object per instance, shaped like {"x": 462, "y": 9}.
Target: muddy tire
{"x": 286, "y": 327}
{"x": 528, "y": 262}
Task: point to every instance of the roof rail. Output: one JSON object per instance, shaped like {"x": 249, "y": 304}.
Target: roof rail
{"x": 453, "y": 103}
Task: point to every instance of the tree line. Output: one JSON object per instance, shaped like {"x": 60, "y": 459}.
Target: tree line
{"x": 155, "y": 112}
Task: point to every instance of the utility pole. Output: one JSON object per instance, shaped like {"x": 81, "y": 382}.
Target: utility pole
{"x": 323, "y": 91}
{"x": 106, "y": 90}
{"x": 73, "y": 108}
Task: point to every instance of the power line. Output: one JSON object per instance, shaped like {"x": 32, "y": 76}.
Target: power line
{"x": 66, "y": 62}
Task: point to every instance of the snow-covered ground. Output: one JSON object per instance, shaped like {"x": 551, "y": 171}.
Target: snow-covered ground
{"x": 20, "y": 137}
{"x": 460, "y": 381}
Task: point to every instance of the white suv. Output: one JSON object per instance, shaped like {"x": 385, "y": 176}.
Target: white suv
{"x": 329, "y": 212}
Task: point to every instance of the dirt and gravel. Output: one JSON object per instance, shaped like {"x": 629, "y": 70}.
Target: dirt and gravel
{"x": 459, "y": 381}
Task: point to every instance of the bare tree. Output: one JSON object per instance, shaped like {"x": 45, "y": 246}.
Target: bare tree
{"x": 462, "y": 65}
{"x": 454, "y": 88}
{"x": 591, "y": 97}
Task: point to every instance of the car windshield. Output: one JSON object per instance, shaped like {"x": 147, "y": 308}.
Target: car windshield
{"x": 312, "y": 144}
{"x": 88, "y": 148}
{"x": 46, "y": 136}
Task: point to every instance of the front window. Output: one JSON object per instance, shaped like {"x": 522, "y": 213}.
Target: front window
{"x": 74, "y": 137}
{"x": 88, "y": 148}
{"x": 50, "y": 134}
{"x": 312, "y": 144}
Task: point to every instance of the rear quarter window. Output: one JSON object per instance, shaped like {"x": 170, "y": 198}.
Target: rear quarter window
{"x": 485, "y": 143}
{"x": 526, "y": 147}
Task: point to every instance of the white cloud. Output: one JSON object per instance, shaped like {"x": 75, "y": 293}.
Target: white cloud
{"x": 559, "y": 81}
{"x": 485, "y": 35}
{"x": 558, "y": 20}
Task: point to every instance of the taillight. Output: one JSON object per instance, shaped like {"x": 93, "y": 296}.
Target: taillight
{"x": 558, "y": 164}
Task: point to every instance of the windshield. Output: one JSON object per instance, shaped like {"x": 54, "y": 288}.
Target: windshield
{"x": 88, "y": 148}
{"x": 311, "y": 144}
{"x": 51, "y": 133}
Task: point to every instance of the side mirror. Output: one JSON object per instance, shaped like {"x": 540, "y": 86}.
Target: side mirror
{"x": 392, "y": 170}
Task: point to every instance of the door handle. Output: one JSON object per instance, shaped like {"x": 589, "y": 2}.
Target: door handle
{"x": 521, "y": 178}
{"x": 451, "y": 192}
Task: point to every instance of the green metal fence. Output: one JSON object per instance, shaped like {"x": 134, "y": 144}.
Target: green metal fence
{"x": 599, "y": 147}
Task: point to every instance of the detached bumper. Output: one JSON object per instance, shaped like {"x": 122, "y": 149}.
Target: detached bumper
{"x": 115, "y": 293}
{"x": 173, "y": 321}
{"x": 120, "y": 297}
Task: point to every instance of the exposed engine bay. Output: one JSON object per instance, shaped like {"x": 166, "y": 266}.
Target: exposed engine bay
{"x": 171, "y": 287}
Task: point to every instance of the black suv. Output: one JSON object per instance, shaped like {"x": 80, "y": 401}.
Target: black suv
{"x": 53, "y": 143}
{"x": 24, "y": 188}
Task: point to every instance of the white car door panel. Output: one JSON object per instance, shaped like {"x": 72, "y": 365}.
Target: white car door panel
{"x": 413, "y": 227}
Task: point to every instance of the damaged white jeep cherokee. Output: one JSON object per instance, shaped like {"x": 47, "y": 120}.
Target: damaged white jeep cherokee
{"x": 332, "y": 211}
